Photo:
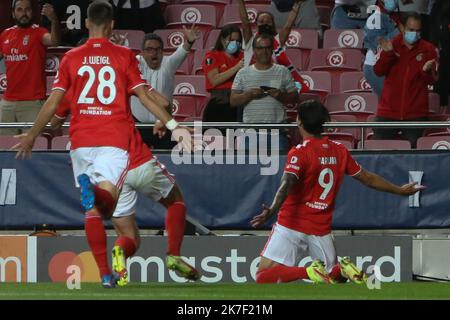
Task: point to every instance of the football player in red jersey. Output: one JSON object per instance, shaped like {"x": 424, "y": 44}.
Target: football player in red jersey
{"x": 101, "y": 75}
{"x": 305, "y": 202}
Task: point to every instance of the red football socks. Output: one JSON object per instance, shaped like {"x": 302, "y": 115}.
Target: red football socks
{"x": 127, "y": 244}
{"x": 281, "y": 273}
{"x": 104, "y": 201}
{"x": 175, "y": 223}
{"x": 96, "y": 236}
{"x": 336, "y": 275}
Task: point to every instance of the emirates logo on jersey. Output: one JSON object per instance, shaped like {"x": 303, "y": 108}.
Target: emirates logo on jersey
{"x": 26, "y": 40}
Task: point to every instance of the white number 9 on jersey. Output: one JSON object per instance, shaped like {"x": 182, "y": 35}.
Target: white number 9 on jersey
{"x": 104, "y": 72}
{"x": 327, "y": 186}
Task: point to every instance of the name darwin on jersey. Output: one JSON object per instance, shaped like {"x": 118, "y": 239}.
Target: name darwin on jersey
{"x": 327, "y": 160}
{"x": 96, "y": 60}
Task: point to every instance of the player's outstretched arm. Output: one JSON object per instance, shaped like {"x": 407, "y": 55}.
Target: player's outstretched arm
{"x": 287, "y": 182}
{"x": 26, "y": 143}
{"x": 376, "y": 182}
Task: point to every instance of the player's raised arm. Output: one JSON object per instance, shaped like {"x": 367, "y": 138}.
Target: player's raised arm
{"x": 287, "y": 182}
{"x": 26, "y": 143}
{"x": 376, "y": 182}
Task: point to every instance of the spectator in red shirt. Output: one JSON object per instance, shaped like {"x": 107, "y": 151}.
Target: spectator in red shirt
{"x": 24, "y": 49}
{"x": 409, "y": 65}
{"x": 220, "y": 67}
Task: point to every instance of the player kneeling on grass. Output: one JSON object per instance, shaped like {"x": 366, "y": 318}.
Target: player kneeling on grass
{"x": 305, "y": 202}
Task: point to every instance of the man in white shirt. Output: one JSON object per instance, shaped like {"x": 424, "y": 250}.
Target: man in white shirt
{"x": 159, "y": 71}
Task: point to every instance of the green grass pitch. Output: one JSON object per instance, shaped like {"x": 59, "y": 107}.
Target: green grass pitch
{"x": 287, "y": 291}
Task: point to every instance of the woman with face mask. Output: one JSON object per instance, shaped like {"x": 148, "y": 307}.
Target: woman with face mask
{"x": 220, "y": 66}
{"x": 383, "y": 23}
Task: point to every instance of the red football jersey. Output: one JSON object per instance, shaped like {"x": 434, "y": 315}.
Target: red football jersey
{"x": 24, "y": 57}
{"x": 320, "y": 166}
{"x": 100, "y": 74}
{"x": 139, "y": 153}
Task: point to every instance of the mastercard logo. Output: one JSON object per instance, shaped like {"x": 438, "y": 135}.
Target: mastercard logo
{"x": 58, "y": 265}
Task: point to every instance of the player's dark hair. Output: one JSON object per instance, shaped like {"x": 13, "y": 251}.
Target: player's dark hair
{"x": 15, "y": 2}
{"x": 313, "y": 115}
{"x": 224, "y": 33}
{"x": 152, "y": 36}
{"x": 100, "y": 12}
{"x": 263, "y": 36}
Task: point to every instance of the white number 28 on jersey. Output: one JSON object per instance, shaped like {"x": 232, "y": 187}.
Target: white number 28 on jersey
{"x": 327, "y": 186}
{"x": 105, "y": 72}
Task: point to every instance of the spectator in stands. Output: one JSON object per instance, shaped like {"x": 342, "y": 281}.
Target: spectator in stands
{"x": 390, "y": 25}
{"x": 159, "y": 71}
{"x": 350, "y": 14}
{"x": 23, "y": 47}
{"x": 72, "y": 15}
{"x": 422, "y": 7}
{"x": 266, "y": 24}
{"x": 440, "y": 37}
{"x": 409, "y": 64}
{"x": 143, "y": 15}
{"x": 220, "y": 67}
{"x": 264, "y": 87}
{"x": 308, "y": 17}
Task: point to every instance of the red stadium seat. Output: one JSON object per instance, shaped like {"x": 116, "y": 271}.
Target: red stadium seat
{"x": 53, "y": 59}
{"x": 7, "y": 142}
{"x": 231, "y": 13}
{"x": 60, "y": 143}
{"x": 185, "y": 105}
{"x": 359, "y": 104}
{"x": 353, "y": 81}
{"x": 350, "y": 135}
{"x": 219, "y": 4}
{"x": 387, "y": 145}
{"x": 198, "y": 60}
{"x": 335, "y": 61}
{"x": 193, "y": 86}
{"x": 346, "y": 143}
{"x": 336, "y": 38}
{"x": 135, "y": 38}
{"x": 204, "y": 16}
{"x": 325, "y": 15}
{"x": 434, "y": 143}
{"x": 295, "y": 56}
{"x": 319, "y": 82}
{"x": 172, "y": 39}
{"x": 305, "y": 40}
{"x": 212, "y": 39}
{"x": 434, "y": 103}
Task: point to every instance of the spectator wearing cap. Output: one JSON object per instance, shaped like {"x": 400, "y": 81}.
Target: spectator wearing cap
{"x": 409, "y": 64}
{"x": 23, "y": 47}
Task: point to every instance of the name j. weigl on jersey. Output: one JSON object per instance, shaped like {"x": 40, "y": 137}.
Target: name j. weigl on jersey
{"x": 103, "y": 60}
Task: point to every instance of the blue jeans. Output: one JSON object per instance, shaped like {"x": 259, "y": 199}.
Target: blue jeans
{"x": 375, "y": 81}
{"x": 340, "y": 20}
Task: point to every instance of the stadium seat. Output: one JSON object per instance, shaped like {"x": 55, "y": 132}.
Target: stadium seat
{"x": 53, "y": 59}
{"x": 193, "y": 86}
{"x": 198, "y": 60}
{"x": 434, "y": 143}
{"x": 353, "y": 81}
{"x": 60, "y": 143}
{"x": 219, "y": 4}
{"x": 212, "y": 38}
{"x": 134, "y": 37}
{"x": 359, "y": 104}
{"x": 172, "y": 39}
{"x": 336, "y": 62}
{"x": 204, "y": 17}
{"x": 305, "y": 40}
{"x": 354, "y": 132}
{"x": 325, "y": 15}
{"x": 186, "y": 66}
{"x": 386, "y": 145}
{"x": 434, "y": 103}
{"x": 346, "y": 143}
{"x": 7, "y": 142}
{"x": 2, "y": 82}
{"x": 295, "y": 56}
{"x": 231, "y": 13}
{"x": 185, "y": 105}
{"x": 339, "y": 38}
{"x": 319, "y": 82}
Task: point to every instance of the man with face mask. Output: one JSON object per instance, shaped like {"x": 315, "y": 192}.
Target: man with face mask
{"x": 23, "y": 48}
{"x": 409, "y": 64}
